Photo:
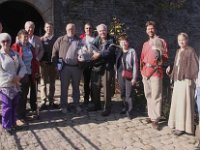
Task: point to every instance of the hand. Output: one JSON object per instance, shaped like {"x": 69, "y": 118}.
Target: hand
{"x": 95, "y": 55}
{"x": 16, "y": 80}
{"x": 80, "y": 59}
{"x": 168, "y": 70}
{"x": 133, "y": 82}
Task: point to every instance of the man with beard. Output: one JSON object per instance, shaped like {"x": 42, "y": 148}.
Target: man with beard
{"x": 154, "y": 54}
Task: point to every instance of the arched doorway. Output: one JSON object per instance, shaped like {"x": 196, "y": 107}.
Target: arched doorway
{"x": 14, "y": 14}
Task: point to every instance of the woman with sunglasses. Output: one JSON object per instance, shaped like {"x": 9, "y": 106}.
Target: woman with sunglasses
{"x": 12, "y": 70}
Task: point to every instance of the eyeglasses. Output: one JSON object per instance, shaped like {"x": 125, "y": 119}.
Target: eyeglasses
{"x": 5, "y": 41}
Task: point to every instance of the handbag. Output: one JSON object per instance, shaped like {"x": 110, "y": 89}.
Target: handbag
{"x": 127, "y": 74}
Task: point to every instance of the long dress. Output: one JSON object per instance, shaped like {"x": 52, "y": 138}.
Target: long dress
{"x": 182, "y": 106}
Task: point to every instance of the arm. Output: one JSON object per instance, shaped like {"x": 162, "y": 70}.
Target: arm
{"x": 135, "y": 68}
{"x": 55, "y": 51}
{"x": 22, "y": 70}
{"x": 40, "y": 49}
{"x": 165, "y": 51}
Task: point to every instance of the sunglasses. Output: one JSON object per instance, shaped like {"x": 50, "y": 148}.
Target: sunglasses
{"x": 5, "y": 41}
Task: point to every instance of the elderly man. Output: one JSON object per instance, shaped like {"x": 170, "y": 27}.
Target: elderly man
{"x": 154, "y": 54}
{"x": 65, "y": 54}
{"x": 39, "y": 51}
{"x": 103, "y": 70}
{"x": 34, "y": 40}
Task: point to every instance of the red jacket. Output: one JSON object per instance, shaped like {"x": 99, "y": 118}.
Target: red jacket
{"x": 34, "y": 63}
{"x": 148, "y": 58}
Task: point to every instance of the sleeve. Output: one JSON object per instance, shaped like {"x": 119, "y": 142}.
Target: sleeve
{"x": 22, "y": 70}
{"x": 142, "y": 58}
{"x": 41, "y": 50}
{"x": 135, "y": 66}
{"x": 55, "y": 51}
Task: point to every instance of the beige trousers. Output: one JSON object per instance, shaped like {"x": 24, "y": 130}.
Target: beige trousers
{"x": 153, "y": 94}
{"x": 48, "y": 75}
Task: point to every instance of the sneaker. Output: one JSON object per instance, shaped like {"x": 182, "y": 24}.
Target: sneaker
{"x": 64, "y": 110}
{"x": 106, "y": 113}
{"x": 148, "y": 120}
{"x": 178, "y": 132}
{"x": 43, "y": 107}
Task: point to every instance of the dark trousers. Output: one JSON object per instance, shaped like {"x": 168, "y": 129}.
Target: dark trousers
{"x": 26, "y": 84}
{"x": 99, "y": 79}
{"x": 126, "y": 92}
{"x": 9, "y": 110}
{"x": 87, "y": 89}
{"x": 70, "y": 74}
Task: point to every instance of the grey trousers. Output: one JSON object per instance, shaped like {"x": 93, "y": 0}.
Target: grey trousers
{"x": 67, "y": 74}
{"x": 107, "y": 81}
{"x": 126, "y": 89}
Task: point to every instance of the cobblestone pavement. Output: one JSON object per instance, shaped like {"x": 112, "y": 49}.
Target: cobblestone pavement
{"x": 91, "y": 131}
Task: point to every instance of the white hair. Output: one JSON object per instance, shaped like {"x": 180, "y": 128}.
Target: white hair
{"x": 29, "y": 23}
{"x": 5, "y": 36}
{"x": 101, "y": 25}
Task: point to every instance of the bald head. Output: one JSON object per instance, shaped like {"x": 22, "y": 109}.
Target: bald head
{"x": 70, "y": 29}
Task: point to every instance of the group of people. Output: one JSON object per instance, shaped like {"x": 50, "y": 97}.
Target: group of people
{"x": 100, "y": 60}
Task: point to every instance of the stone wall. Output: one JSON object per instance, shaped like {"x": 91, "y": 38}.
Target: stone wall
{"x": 134, "y": 13}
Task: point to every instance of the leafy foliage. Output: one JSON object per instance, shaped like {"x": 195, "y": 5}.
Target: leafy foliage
{"x": 117, "y": 28}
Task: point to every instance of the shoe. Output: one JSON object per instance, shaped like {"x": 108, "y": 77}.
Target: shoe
{"x": 148, "y": 120}
{"x": 93, "y": 108}
{"x": 178, "y": 132}
{"x": 54, "y": 106}
{"x": 64, "y": 110}
{"x": 155, "y": 125}
{"x": 43, "y": 107}
{"x": 123, "y": 111}
{"x": 106, "y": 113}
{"x": 78, "y": 109}
{"x": 20, "y": 123}
{"x": 129, "y": 115}
{"x": 9, "y": 131}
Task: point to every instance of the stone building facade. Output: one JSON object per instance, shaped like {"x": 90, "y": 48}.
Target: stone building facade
{"x": 134, "y": 13}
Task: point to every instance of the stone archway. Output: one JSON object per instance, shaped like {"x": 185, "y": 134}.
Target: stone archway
{"x": 13, "y": 14}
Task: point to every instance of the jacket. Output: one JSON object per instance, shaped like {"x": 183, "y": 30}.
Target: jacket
{"x": 188, "y": 65}
{"x": 34, "y": 63}
{"x": 10, "y": 68}
{"x": 60, "y": 47}
{"x": 38, "y": 47}
{"x": 107, "y": 55}
{"x": 131, "y": 63}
